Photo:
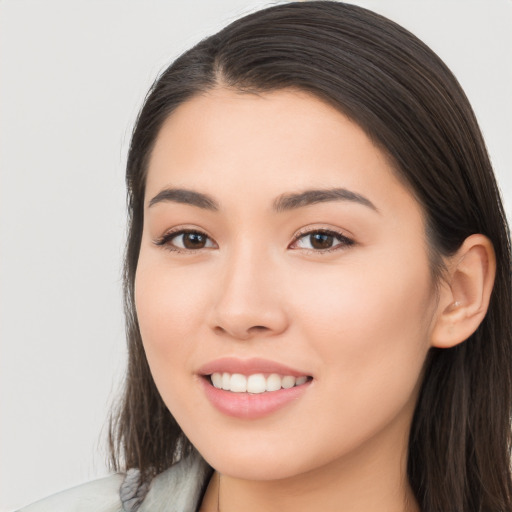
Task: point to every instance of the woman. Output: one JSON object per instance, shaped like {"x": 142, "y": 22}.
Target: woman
{"x": 317, "y": 278}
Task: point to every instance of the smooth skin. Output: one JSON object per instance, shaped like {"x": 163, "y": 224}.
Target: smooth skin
{"x": 341, "y": 290}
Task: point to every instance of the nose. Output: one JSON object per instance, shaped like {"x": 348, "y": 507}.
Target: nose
{"x": 249, "y": 301}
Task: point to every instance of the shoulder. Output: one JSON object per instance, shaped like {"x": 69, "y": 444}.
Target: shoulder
{"x": 181, "y": 485}
{"x": 97, "y": 496}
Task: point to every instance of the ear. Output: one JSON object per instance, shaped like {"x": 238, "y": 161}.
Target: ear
{"x": 465, "y": 294}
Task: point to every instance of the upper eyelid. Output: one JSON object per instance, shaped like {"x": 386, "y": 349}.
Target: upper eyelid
{"x": 178, "y": 230}
{"x": 328, "y": 230}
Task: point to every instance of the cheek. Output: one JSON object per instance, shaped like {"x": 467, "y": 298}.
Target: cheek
{"x": 169, "y": 306}
{"x": 371, "y": 322}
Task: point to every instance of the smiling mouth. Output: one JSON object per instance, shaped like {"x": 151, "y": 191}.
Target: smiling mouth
{"x": 255, "y": 383}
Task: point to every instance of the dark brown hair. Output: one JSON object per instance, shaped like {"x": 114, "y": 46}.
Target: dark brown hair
{"x": 412, "y": 107}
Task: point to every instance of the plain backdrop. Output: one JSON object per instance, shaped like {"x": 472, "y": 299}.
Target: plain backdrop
{"x": 73, "y": 74}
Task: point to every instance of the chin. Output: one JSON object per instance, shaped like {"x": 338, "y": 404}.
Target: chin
{"x": 254, "y": 468}
{"x": 258, "y": 461}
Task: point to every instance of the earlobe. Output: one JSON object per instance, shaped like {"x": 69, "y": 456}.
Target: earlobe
{"x": 465, "y": 295}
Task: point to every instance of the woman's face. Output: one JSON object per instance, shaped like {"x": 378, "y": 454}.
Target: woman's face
{"x": 279, "y": 243}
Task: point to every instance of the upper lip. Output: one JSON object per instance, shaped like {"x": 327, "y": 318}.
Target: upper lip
{"x": 248, "y": 367}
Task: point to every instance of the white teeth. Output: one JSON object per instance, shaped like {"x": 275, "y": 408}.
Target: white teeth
{"x": 217, "y": 380}
{"x": 238, "y": 383}
{"x": 300, "y": 380}
{"x": 273, "y": 382}
{"x": 288, "y": 382}
{"x": 256, "y": 383}
{"x": 226, "y": 377}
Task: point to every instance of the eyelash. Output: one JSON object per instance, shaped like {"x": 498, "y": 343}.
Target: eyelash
{"x": 165, "y": 240}
{"x": 344, "y": 241}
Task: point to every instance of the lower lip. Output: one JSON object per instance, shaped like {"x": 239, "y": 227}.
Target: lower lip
{"x": 251, "y": 406}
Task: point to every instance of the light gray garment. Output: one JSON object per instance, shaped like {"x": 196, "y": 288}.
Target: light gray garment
{"x": 178, "y": 489}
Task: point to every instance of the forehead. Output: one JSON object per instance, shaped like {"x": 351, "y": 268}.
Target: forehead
{"x": 266, "y": 144}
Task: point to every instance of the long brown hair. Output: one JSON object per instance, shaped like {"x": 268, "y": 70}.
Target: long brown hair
{"x": 412, "y": 107}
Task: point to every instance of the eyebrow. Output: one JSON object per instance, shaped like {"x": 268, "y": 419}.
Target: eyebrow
{"x": 308, "y": 197}
{"x": 185, "y": 196}
{"x": 283, "y": 203}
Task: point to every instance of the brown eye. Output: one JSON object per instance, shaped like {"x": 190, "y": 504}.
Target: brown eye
{"x": 321, "y": 240}
{"x": 186, "y": 240}
{"x": 194, "y": 240}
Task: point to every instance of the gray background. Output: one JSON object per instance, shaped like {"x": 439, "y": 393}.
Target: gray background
{"x": 73, "y": 76}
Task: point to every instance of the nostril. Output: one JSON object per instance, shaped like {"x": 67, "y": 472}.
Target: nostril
{"x": 242, "y": 335}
